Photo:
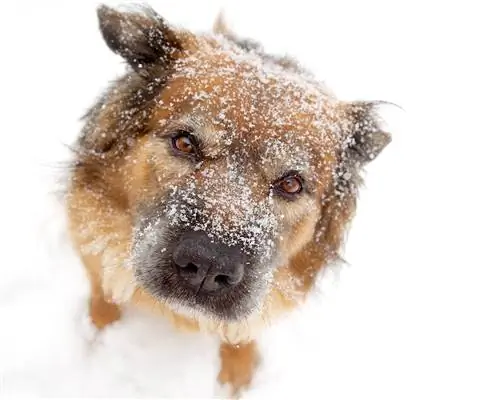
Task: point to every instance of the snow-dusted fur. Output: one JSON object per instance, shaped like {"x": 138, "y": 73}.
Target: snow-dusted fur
{"x": 270, "y": 166}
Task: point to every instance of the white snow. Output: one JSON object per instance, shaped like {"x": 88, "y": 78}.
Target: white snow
{"x": 416, "y": 313}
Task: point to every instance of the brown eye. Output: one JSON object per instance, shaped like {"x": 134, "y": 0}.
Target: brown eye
{"x": 289, "y": 186}
{"x": 185, "y": 143}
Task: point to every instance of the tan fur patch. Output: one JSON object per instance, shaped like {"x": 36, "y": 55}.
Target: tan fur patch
{"x": 238, "y": 364}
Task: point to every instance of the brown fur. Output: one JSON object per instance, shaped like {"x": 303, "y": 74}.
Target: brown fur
{"x": 122, "y": 164}
{"x": 238, "y": 363}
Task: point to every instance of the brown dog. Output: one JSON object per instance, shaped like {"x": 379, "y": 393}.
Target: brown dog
{"x": 212, "y": 182}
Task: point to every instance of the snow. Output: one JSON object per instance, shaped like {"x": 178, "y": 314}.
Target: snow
{"x": 414, "y": 314}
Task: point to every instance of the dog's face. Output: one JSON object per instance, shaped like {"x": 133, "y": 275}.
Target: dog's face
{"x": 235, "y": 170}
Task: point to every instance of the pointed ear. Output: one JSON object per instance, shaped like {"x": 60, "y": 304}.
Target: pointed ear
{"x": 220, "y": 25}
{"x": 364, "y": 139}
{"x": 139, "y": 35}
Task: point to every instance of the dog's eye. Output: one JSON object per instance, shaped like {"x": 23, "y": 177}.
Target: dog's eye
{"x": 185, "y": 143}
{"x": 289, "y": 186}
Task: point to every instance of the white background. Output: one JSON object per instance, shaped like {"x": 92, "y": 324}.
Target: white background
{"x": 414, "y": 316}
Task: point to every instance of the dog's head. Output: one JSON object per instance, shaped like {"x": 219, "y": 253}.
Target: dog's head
{"x": 225, "y": 173}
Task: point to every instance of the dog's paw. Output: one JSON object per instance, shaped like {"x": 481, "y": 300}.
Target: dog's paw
{"x": 232, "y": 386}
{"x": 92, "y": 317}
{"x": 103, "y": 313}
{"x": 224, "y": 391}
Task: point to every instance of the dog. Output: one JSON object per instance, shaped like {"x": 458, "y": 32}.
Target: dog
{"x": 212, "y": 183}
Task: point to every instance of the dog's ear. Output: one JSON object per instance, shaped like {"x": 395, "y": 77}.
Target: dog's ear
{"x": 140, "y": 36}
{"x": 362, "y": 137}
{"x": 220, "y": 25}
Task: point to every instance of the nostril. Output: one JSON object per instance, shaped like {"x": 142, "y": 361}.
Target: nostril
{"x": 191, "y": 273}
{"x": 222, "y": 280}
{"x": 218, "y": 281}
{"x": 190, "y": 269}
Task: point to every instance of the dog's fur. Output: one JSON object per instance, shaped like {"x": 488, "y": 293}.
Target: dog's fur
{"x": 256, "y": 116}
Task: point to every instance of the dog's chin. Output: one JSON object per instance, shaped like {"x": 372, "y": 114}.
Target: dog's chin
{"x": 200, "y": 312}
{"x": 232, "y": 306}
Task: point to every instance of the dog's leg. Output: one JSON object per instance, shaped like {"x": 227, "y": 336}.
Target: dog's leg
{"x": 102, "y": 311}
{"x": 238, "y": 364}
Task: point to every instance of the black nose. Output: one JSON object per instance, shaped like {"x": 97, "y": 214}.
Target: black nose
{"x": 206, "y": 265}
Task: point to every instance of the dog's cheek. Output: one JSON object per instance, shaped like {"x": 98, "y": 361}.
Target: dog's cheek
{"x": 150, "y": 170}
{"x": 289, "y": 284}
{"x": 299, "y": 224}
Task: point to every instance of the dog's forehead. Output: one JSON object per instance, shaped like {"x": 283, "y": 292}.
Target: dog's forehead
{"x": 252, "y": 105}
